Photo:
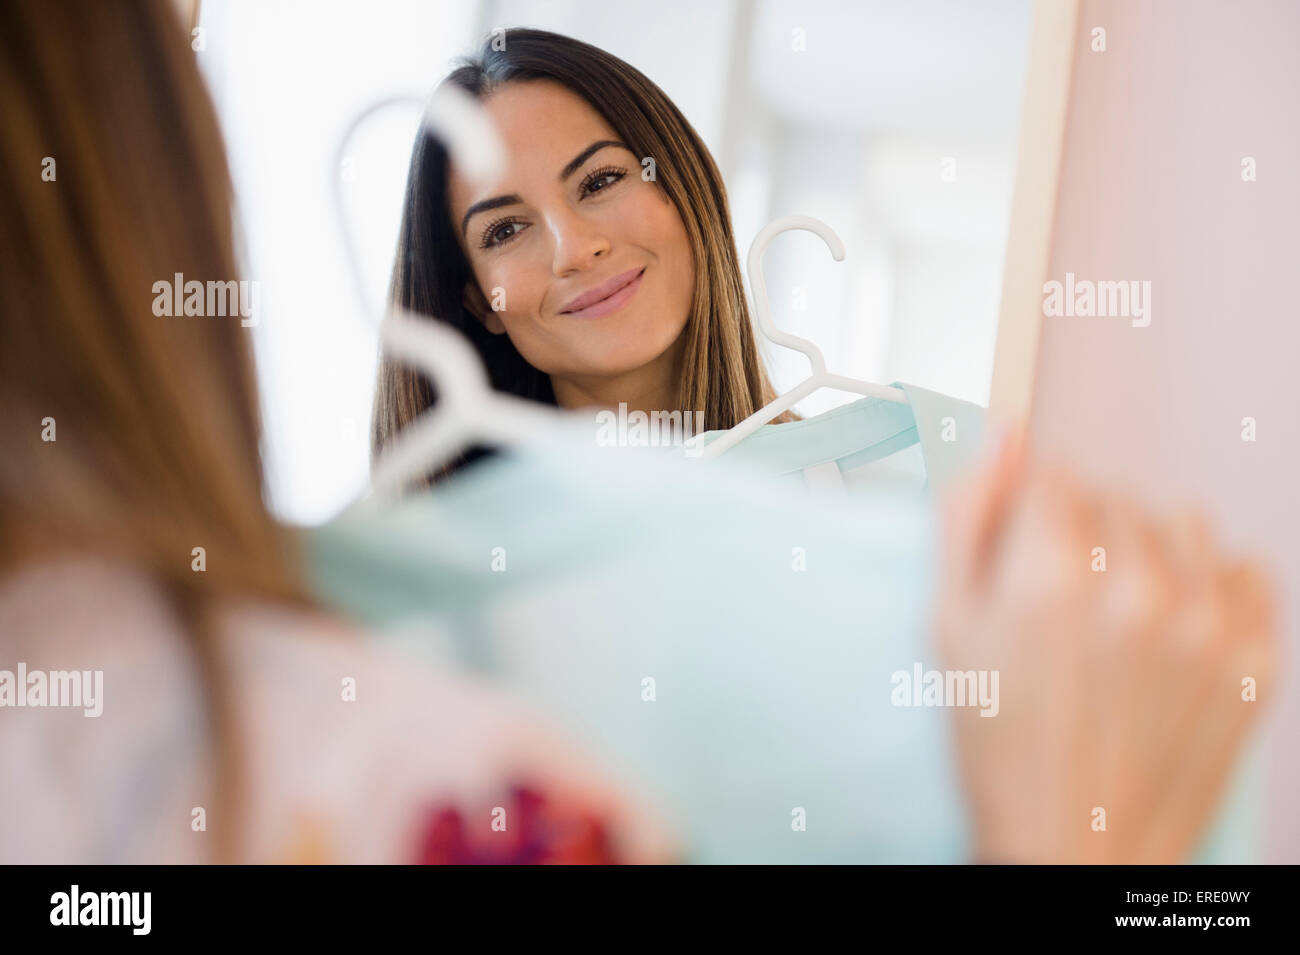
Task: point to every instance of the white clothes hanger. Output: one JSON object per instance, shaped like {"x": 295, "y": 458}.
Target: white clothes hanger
{"x": 820, "y": 377}
{"x": 468, "y": 411}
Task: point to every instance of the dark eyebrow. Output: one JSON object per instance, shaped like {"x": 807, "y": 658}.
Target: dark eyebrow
{"x": 583, "y": 156}
{"x": 565, "y": 173}
{"x": 484, "y": 206}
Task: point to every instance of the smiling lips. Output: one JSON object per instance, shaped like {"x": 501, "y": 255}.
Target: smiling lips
{"x": 606, "y": 298}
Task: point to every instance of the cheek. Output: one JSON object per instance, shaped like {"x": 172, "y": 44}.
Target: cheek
{"x": 511, "y": 290}
{"x": 666, "y": 235}
{"x": 680, "y": 260}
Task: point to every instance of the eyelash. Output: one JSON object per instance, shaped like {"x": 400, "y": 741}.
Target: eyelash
{"x": 597, "y": 174}
{"x": 486, "y": 241}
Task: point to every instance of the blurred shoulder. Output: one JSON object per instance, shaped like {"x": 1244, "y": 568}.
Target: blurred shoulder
{"x": 366, "y": 754}
{"x": 348, "y": 752}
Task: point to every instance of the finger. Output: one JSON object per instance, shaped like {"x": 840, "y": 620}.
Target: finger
{"x": 1196, "y": 602}
{"x": 1043, "y": 547}
{"x": 1233, "y": 684}
{"x": 1252, "y": 598}
{"x": 1137, "y": 596}
{"x": 1251, "y": 627}
{"x": 976, "y": 510}
{"x": 1191, "y": 543}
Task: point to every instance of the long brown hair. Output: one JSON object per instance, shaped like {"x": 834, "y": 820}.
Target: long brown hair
{"x": 112, "y": 178}
{"x": 722, "y": 375}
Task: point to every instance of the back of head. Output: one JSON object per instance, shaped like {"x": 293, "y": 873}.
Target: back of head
{"x": 127, "y": 435}
{"x": 124, "y": 432}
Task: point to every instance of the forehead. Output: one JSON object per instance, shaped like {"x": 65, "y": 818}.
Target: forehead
{"x": 542, "y": 125}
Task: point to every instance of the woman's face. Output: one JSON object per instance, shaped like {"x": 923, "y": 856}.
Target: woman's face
{"x": 581, "y": 261}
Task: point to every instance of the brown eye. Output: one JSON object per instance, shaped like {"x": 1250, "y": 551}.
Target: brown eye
{"x": 500, "y": 232}
{"x": 601, "y": 179}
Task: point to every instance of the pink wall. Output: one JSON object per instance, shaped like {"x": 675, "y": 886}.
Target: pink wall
{"x": 1151, "y": 189}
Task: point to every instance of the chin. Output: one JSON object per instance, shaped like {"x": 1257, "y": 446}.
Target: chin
{"x": 610, "y": 366}
{"x": 619, "y": 346}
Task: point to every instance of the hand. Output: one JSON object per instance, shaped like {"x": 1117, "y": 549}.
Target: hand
{"x": 1122, "y": 673}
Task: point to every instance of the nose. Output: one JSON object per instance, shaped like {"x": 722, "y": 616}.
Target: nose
{"x": 579, "y": 242}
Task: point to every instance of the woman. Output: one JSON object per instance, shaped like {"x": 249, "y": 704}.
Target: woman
{"x": 608, "y": 194}
{"x": 239, "y": 723}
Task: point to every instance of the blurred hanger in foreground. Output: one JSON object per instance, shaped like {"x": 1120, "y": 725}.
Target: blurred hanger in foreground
{"x": 468, "y": 410}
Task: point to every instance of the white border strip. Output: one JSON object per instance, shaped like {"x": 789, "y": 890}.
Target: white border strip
{"x": 1033, "y": 205}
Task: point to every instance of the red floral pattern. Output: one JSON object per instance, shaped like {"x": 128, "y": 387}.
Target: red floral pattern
{"x": 538, "y": 831}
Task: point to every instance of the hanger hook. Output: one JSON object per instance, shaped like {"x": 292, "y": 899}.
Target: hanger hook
{"x": 758, "y": 285}
{"x": 442, "y": 353}
{"x": 453, "y": 116}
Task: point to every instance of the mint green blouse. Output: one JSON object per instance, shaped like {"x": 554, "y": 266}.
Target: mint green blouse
{"x": 725, "y": 648}
{"x": 869, "y": 442}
